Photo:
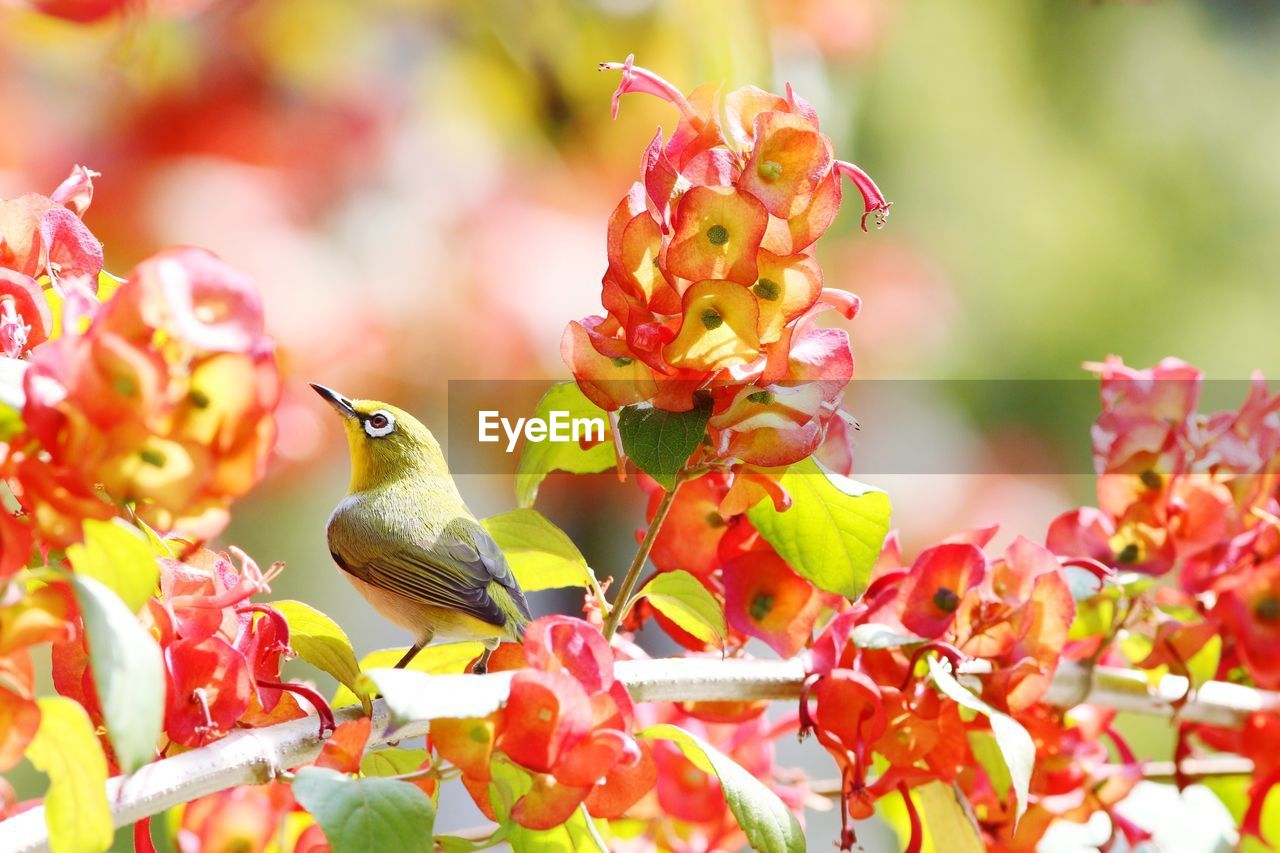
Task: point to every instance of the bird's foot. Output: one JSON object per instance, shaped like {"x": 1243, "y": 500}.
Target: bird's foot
{"x": 482, "y": 665}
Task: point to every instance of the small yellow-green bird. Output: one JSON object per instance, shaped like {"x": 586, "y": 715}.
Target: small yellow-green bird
{"x": 408, "y": 543}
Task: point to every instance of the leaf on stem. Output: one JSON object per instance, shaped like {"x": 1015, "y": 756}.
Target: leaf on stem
{"x": 417, "y": 696}
{"x": 538, "y": 459}
{"x": 680, "y": 597}
{"x": 320, "y": 642}
{"x": 950, "y": 824}
{"x": 371, "y": 813}
{"x": 767, "y": 822}
{"x": 832, "y": 533}
{"x": 66, "y": 749}
{"x": 872, "y": 635}
{"x": 442, "y": 659}
{"x": 660, "y": 442}
{"x": 541, "y": 555}
{"x": 120, "y": 556}
{"x": 128, "y": 671}
{"x": 1016, "y": 747}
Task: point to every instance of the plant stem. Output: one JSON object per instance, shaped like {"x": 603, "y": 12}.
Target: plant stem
{"x": 255, "y": 756}
{"x": 622, "y": 601}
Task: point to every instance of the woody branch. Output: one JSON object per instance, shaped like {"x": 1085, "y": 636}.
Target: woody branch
{"x": 255, "y": 756}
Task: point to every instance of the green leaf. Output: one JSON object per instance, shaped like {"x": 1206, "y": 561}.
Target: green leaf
{"x": 987, "y": 752}
{"x": 541, "y": 554}
{"x": 12, "y": 396}
{"x": 1203, "y": 665}
{"x": 949, "y": 824}
{"x": 681, "y": 598}
{"x": 11, "y": 422}
{"x": 120, "y": 556}
{"x": 392, "y": 761}
{"x": 159, "y": 546}
{"x": 1093, "y": 617}
{"x": 508, "y": 783}
{"x": 578, "y": 833}
{"x": 538, "y": 459}
{"x": 320, "y": 642}
{"x": 128, "y": 671}
{"x": 872, "y": 635}
{"x": 660, "y": 442}
{"x": 767, "y": 822}
{"x": 834, "y": 530}
{"x": 445, "y": 658}
{"x": 372, "y": 813}
{"x": 1016, "y": 747}
{"x": 66, "y": 749}
{"x": 457, "y": 844}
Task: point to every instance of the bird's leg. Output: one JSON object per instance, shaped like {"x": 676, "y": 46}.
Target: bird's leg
{"x": 482, "y": 665}
{"x": 413, "y": 651}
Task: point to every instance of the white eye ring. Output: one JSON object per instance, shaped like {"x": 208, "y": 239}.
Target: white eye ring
{"x": 379, "y": 423}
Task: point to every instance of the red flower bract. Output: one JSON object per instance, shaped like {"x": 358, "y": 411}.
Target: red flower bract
{"x": 932, "y": 590}
{"x": 209, "y": 690}
{"x": 547, "y": 714}
{"x": 567, "y": 722}
{"x": 765, "y": 598}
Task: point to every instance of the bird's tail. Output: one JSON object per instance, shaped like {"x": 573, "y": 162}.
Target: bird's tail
{"x": 518, "y": 622}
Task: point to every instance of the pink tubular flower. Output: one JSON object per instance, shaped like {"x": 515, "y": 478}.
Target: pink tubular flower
{"x": 643, "y": 80}
{"x": 873, "y": 200}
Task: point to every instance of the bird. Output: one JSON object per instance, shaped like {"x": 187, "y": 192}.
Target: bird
{"x": 406, "y": 540}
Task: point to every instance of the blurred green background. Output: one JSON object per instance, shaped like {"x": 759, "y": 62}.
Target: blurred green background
{"x": 421, "y": 190}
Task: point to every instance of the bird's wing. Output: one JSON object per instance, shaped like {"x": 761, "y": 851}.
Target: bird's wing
{"x": 454, "y": 571}
{"x": 469, "y": 543}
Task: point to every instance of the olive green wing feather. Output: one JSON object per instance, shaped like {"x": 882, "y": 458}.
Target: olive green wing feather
{"x": 456, "y": 571}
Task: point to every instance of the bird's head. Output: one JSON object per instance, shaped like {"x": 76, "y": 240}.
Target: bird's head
{"x": 385, "y": 442}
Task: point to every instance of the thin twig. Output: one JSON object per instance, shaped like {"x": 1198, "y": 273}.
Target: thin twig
{"x": 623, "y": 598}
{"x": 1156, "y": 771}
{"x": 1199, "y": 768}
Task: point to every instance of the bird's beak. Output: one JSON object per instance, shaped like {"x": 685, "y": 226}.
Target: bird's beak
{"x": 339, "y": 402}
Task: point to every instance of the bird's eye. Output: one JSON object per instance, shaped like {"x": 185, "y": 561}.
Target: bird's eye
{"x": 379, "y": 424}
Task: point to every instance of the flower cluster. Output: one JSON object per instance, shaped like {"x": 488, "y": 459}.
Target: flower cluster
{"x": 1194, "y": 496}
{"x": 147, "y": 400}
{"x": 158, "y": 399}
{"x": 222, "y": 652}
{"x": 44, "y": 243}
{"x": 162, "y": 404}
{"x": 712, "y": 284}
{"x": 1181, "y": 493}
{"x": 1194, "y": 492}
{"x": 567, "y": 725}
{"x": 1012, "y": 614}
